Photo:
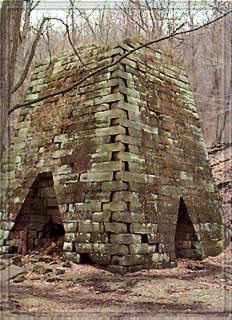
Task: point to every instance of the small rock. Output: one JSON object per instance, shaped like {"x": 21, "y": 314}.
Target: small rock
{"x": 59, "y": 271}
{"x": 195, "y": 267}
{"x": 17, "y": 260}
{"x": 67, "y": 264}
{"x": 52, "y": 263}
{"x": 19, "y": 278}
{"x": 41, "y": 268}
{"x": 53, "y": 279}
{"x": 46, "y": 259}
{"x": 11, "y": 272}
{"x": 72, "y": 256}
{"x": 34, "y": 259}
{"x": 3, "y": 266}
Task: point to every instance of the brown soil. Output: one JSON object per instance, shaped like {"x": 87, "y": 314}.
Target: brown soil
{"x": 83, "y": 291}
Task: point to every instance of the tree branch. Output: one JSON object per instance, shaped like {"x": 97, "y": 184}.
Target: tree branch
{"x": 69, "y": 38}
{"x": 35, "y": 5}
{"x": 96, "y": 71}
{"x": 30, "y": 58}
{"x": 34, "y": 46}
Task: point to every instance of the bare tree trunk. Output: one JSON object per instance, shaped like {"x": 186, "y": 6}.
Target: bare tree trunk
{"x": 10, "y": 17}
{"x": 227, "y": 83}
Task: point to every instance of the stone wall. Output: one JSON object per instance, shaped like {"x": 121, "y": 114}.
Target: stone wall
{"x": 122, "y": 149}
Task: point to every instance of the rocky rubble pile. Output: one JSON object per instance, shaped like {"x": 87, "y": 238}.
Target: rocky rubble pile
{"x": 34, "y": 267}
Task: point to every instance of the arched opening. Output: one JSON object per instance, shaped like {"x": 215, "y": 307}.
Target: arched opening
{"x": 38, "y": 225}
{"x": 186, "y": 241}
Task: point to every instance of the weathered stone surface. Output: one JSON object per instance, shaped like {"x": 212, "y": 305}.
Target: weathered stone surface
{"x": 128, "y": 176}
{"x": 110, "y": 131}
{"x": 72, "y": 256}
{"x": 115, "y": 206}
{"x": 20, "y": 278}
{"x": 100, "y": 259}
{"x": 142, "y": 248}
{"x": 96, "y": 176}
{"x": 114, "y": 186}
{"x": 108, "y": 166}
{"x": 102, "y": 216}
{"x": 88, "y": 206}
{"x": 125, "y": 238}
{"x": 128, "y": 260}
{"x": 115, "y": 227}
{"x": 53, "y": 279}
{"x": 144, "y": 228}
{"x": 59, "y": 271}
{"x": 128, "y": 217}
{"x": 117, "y": 269}
{"x": 42, "y": 268}
{"x": 10, "y": 272}
{"x": 89, "y": 226}
{"x": 118, "y": 146}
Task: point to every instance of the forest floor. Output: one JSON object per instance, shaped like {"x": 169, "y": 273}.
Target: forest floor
{"x": 58, "y": 290}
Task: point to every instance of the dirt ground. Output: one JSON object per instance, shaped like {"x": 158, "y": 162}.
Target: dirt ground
{"x": 83, "y": 291}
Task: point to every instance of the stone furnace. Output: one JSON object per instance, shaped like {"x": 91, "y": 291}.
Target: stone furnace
{"x": 114, "y": 171}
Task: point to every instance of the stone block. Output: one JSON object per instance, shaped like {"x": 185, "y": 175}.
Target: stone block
{"x": 126, "y": 196}
{"x": 142, "y": 248}
{"x": 186, "y": 176}
{"x": 89, "y": 226}
{"x": 96, "y": 176}
{"x": 129, "y": 62}
{"x": 63, "y": 208}
{"x": 114, "y": 186}
{"x": 98, "y": 238}
{"x": 106, "y": 248}
{"x": 156, "y": 257}
{"x": 111, "y": 147}
{"x": 128, "y": 140}
{"x": 101, "y": 156}
{"x": 111, "y": 114}
{"x": 83, "y": 237}
{"x": 117, "y": 269}
{"x": 109, "y": 98}
{"x": 115, "y": 227}
{"x": 128, "y": 217}
{"x": 110, "y": 131}
{"x": 134, "y": 124}
{"x": 135, "y": 268}
{"x": 153, "y": 238}
{"x": 97, "y": 195}
{"x": 63, "y": 170}
{"x": 87, "y": 206}
{"x": 100, "y": 259}
{"x": 115, "y": 206}
{"x": 129, "y": 176}
{"x": 127, "y": 260}
{"x": 70, "y": 236}
{"x": 107, "y": 166}
{"x": 72, "y": 256}
{"x": 143, "y": 228}
{"x": 125, "y": 238}
{"x": 84, "y": 247}
{"x": 61, "y": 153}
{"x": 68, "y": 246}
{"x": 101, "y": 216}
{"x": 131, "y": 157}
